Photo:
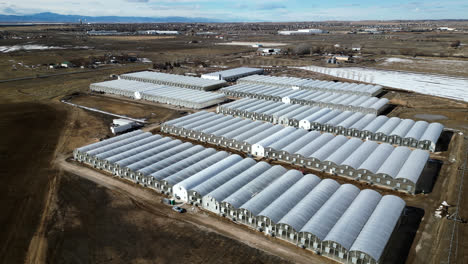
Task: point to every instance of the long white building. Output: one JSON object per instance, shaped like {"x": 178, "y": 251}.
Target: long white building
{"x": 399, "y": 168}
{"x": 232, "y": 74}
{"x": 393, "y": 130}
{"x": 339, "y": 101}
{"x": 314, "y": 85}
{"x": 337, "y": 221}
{"x": 174, "y": 80}
{"x": 309, "y": 31}
{"x": 165, "y": 94}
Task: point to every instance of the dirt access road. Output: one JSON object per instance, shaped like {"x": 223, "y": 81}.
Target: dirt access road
{"x": 198, "y": 224}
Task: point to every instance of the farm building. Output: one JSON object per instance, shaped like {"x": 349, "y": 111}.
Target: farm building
{"x": 314, "y": 85}
{"x": 397, "y": 168}
{"x": 174, "y": 80}
{"x": 394, "y": 130}
{"x": 171, "y": 95}
{"x": 157, "y": 32}
{"x": 308, "y": 31}
{"x": 232, "y": 74}
{"x": 339, "y": 101}
{"x": 338, "y": 221}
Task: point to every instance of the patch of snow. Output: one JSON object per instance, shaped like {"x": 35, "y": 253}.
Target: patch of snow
{"x": 396, "y": 60}
{"x": 7, "y": 49}
{"x": 431, "y": 84}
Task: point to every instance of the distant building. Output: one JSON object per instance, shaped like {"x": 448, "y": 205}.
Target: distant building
{"x": 268, "y": 51}
{"x": 122, "y": 125}
{"x": 343, "y": 58}
{"x": 206, "y": 33}
{"x": 446, "y": 29}
{"x": 337, "y": 59}
{"x": 157, "y": 32}
{"x": 66, "y": 64}
{"x": 356, "y": 47}
{"x": 232, "y": 74}
{"x": 309, "y": 31}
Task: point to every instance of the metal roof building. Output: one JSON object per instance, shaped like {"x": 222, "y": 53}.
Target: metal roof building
{"x": 394, "y": 130}
{"x": 326, "y": 152}
{"x": 174, "y": 80}
{"x": 160, "y": 93}
{"x": 355, "y": 103}
{"x": 232, "y": 74}
{"x": 338, "y": 221}
{"x": 314, "y": 85}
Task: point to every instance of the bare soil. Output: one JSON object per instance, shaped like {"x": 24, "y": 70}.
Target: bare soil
{"x": 30, "y": 132}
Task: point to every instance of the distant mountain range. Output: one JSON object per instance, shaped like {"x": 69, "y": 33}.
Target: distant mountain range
{"x": 58, "y": 18}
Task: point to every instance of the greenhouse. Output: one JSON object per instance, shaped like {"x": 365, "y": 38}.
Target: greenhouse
{"x": 394, "y": 130}
{"x": 164, "y": 94}
{"x": 333, "y": 154}
{"x": 174, "y": 80}
{"x": 314, "y": 85}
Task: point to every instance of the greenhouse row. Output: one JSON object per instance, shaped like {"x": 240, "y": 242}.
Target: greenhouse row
{"x": 393, "y": 130}
{"x": 337, "y": 221}
{"x": 160, "y": 93}
{"x": 174, "y": 80}
{"x": 398, "y": 168}
{"x": 344, "y": 102}
{"x": 232, "y": 74}
{"x": 314, "y": 85}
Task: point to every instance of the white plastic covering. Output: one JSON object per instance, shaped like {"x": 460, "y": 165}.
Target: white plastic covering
{"x": 195, "y": 168}
{"x": 268, "y": 195}
{"x": 345, "y": 122}
{"x": 207, "y": 173}
{"x": 413, "y": 166}
{"x": 232, "y": 74}
{"x": 313, "y": 98}
{"x": 348, "y": 227}
{"x": 108, "y": 141}
{"x": 325, "y": 218}
{"x": 360, "y": 221}
{"x": 169, "y": 160}
{"x": 395, "y": 161}
{"x": 239, "y": 181}
{"x": 310, "y": 204}
{"x": 375, "y": 234}
{"x": 285, "y": 202}
{"x": 224, "y": 176}
{"x": 159, "y": 93}
{"x": 252, "y": 188}
{"x": 157, "y": 147}
{"x": 182, "y": 164}
{"x": 174, "y": 80}
{"x": 309, "y": 149}
{"x": 314, "y": 85}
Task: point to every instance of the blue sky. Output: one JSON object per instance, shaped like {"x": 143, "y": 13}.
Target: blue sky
{"x": 253, "y": 10}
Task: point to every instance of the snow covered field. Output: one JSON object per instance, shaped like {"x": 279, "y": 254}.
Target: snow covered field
{"x": 431, "y": 84}
{"x": 6, "y": 49}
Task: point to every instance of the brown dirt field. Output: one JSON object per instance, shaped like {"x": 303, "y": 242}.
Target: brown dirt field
{"x": 30, "y": 132}
{"x": 94, "y": 224}
{"x": 153, "y": 113}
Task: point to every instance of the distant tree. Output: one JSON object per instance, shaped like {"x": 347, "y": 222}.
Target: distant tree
{"x": 302, "y": 49}
{"x": 455, "y": 44}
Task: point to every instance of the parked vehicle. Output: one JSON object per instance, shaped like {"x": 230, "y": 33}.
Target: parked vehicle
{"x": 179, "y": 209}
